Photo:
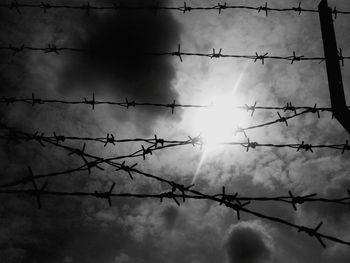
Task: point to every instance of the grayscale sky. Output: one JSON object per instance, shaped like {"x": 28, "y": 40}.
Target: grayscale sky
{"x": 86, "y": 230}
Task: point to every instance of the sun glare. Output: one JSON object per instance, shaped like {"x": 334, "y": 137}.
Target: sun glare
{"x": 217, "y": 123}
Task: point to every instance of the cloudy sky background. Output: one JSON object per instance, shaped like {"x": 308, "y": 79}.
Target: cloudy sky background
{"x": 87, "y": 230}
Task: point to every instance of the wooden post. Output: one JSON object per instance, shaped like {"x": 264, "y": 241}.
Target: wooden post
{"x": 335, "y": 82}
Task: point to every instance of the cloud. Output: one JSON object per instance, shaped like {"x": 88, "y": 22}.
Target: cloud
{"x": 249, "y": 242}
{"x": 119, "y": 69}
{"x": 170, "y": 215}
{"x": 122, "y": 258}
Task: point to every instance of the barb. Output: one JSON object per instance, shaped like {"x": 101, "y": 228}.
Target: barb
{"x": 185, "y": 8}
{"x": 105, "y": 195}
{"x": 51, "y": 48}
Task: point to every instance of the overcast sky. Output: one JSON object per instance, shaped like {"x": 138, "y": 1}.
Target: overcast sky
{"x": 85, "y": 230}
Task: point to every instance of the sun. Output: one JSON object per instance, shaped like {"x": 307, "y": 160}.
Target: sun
{"x": 218, "y": 122}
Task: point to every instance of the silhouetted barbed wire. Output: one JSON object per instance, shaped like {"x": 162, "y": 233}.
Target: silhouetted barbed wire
{"x": 185, "y": 8}
{"x": 110, "y": 139}
{"x": 52, "y": 48}
{"x": 227, "y": 200}
{"x": 290, "y": 199}
{"x": 93, "y": 102}
{"x": 180, "y": 190}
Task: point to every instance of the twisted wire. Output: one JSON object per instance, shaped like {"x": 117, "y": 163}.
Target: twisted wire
{"x": 261, "y": 57}
{"x": 156, "y": 7}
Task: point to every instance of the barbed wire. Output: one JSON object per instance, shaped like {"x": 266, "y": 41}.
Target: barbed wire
{"x": 180, "y": 190}
{"x": 290, "y": 199}
{"x": 110, "y": 139}
{"x": 156, "y": 7}
{"x": 177, "y": 191}
{"x": 127, "y": 103}
{"x": 52, "y": 48}
{"x": 227, "y": 200}
{"x": 316, "y": 110}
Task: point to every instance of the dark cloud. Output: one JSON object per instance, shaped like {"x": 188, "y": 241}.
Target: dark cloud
{"x": 115, "y": 71}
{"x": 248, "y": 242}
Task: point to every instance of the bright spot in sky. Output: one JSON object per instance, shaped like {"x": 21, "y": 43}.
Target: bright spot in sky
{"x": 218, "y": 123}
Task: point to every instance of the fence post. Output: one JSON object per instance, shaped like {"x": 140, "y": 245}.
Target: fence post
{"x": 335, "y": 82}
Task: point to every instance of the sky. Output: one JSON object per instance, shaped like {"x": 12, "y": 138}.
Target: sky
{"x": 86, "y": 230}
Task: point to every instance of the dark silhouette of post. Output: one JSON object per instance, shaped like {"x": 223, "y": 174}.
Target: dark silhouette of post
{"x": 335, "y": 82}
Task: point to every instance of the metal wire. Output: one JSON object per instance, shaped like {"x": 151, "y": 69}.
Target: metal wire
{"x": 156, "y": 7}
{"x": 12, "y": 135}
{"x": 52, "y": 48}
{"x": 227, "y": 200}
{"x": 127, "y": 103}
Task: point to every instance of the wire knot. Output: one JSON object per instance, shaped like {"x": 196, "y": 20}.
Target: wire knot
{"x": 39, "y": 138}
{"x": 298, "y": 199}
{"x": 172, "y": 106}
{"x": 156, "y": 141}
{"x": 315, "y": 110}
{"x": 298, "y": 9}
{"x": 340, "y": 57}
{"x": 93, "y": 164}
{"x": 260, "y": 57}
{"x": 196, "y": 141}
{"x": 51, "y": 49}
{"x": 91, "y": 102}
{"x": 178, "y": 52}
{"x": 290, "y": 107}
{"x": 131, "y": 103}
{"x": 264, "y": 8}
{"x": 282, "y": 119}
{"x": 127, "y": 169}
{"x": 168, "y": 195}
{"x": 313, "y": 232}
{"x": 105, "y": 195}
{"x": 59, "y": 138}
{"x": 346, "y": 147}
{"x": 181, "y": 188}
{"x": 221, "y": 7}
{"x": 45, "y": 6}
{"x": 36, "y": 101}
{"x": 251, "y": 108}
{"x": 306, "y": 147}
{"x": 109, "y": 139}
{"x": 229, "y": 200}
{"x": 186, "y": 8}
{"x": 252, "y": 145}
{"x": 216, "y": 55}
{"x": 335, "y": 12}
{"x": 295, "y": 58}
{"x": 146, "y": 151}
